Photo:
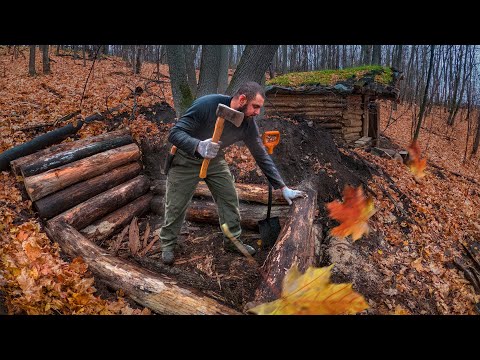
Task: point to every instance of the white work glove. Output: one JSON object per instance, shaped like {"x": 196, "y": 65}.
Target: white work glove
{"x": 290, "y": 194}
{"x": 208, "y": 149}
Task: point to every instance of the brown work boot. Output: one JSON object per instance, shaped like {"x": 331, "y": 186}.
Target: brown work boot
{"x": 168, "y": 257}
{"x": 228, "y": 245}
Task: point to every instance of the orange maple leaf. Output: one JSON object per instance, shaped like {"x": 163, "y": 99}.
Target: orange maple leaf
{"x": 416, "y": 163}
{"x": 352, "y": 214}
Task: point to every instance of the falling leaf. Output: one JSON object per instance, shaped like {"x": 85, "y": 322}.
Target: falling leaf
{"x": 313, "y": 294}
{"x": 352, "y": 214}
{"x": 416, "y": 164}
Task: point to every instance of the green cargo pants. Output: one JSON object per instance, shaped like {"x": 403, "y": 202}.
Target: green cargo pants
{"x": 181, "y": 183}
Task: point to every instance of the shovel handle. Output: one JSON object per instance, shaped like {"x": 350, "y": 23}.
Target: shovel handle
{"x": 217, "y": 133}
{"x": 270, "y": 145}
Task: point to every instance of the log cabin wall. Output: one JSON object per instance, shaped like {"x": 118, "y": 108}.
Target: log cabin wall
{"x": 343, "y": 115}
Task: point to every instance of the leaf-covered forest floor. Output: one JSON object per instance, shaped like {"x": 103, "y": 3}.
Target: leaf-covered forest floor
{"x": 403, "y": 266}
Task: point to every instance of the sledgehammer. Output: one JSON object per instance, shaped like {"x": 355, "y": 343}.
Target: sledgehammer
{"x": 223, "y": 113}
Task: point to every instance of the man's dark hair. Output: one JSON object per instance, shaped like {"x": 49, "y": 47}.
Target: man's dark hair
{"x": 250, "y": 89}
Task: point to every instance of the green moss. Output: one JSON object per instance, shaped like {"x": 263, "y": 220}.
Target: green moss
{"x": 186, "y": 99}
{"x": 331, "y": 77}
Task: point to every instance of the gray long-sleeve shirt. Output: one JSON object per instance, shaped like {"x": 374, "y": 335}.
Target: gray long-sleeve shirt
{"x": 198, "y": 123}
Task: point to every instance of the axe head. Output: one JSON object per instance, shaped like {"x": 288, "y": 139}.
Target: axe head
{"x": 229, "y": 114}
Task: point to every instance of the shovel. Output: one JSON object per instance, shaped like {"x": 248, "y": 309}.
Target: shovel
{"x": 270, "y": 227}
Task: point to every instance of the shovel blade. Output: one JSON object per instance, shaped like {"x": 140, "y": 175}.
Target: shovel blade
{"x": 269, "y": 230}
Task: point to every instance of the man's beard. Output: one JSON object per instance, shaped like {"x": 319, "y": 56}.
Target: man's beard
{"x": 243, "y": 109}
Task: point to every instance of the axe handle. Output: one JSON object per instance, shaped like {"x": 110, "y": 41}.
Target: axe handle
{"x": 215, "y": 138}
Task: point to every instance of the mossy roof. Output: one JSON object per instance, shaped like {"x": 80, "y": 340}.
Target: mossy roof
{"x": 376, "y": 80}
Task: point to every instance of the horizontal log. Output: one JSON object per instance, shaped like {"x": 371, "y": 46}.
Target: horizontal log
{"x": 158, "y": 292}
{"x": 328, "y": 125}
{"x": 351, "y": 130}
{"x": 48, "y": 182}
{"x": 39, "y": 142}
{"x": 115, "y": 221}
{"x": 98, "y": 206}
{"x": 62, "y": 200}
{"x": 18, "y": 163}
{"x": 295, "y": 246}
{"x": 206, "y": 211}
{"x": 257, "y": 193}
{"x": 47, "y": 139}
{"x": 52, "y": 161}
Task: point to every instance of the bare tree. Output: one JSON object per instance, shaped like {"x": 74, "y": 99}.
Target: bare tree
{"x": 425, "y": 95}
{"x": 209, "y": 70}
{"x": 253, "y": 65}
{"x": 45, "y": 60}
{"x": 31, "y": 61}
{"x": 182, "y": 96}
{"x": 223, "y": 69}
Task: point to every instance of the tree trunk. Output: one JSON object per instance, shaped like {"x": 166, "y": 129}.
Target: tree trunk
{"x": 98, "y": 206}
{"x": 31, "y": 61}
{"x": 43, "y": 184}
{"x": 46, "y": 60}
{"x": 377, "y": 55}
{"x": 209, "y": 70}
{"x": 425, "y": 95}
{"x": 138, "y": 60}
{"x": 284, "y": 58}
{"x": 56, "y": 160}
{"x": 117, "y": 220}
{"x": 190, "y": 69}
{"x": 182, "y": 96}
{"x": 223, "y": 69}
{"x": 253, "y": 64}
{"x": 62, "y": 200}
{"x": 476, "y": 141}
{"x": 55, "y": 149}
{"x": 160, "y": 293}
{"x": 206, "y": 212}
{"x": 295, "y": 246}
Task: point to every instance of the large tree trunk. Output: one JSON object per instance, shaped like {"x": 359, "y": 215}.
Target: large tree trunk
{"x": 115, "y": 221}
{"x": 25, "y": 160}
{"x": 182, "y": 96}
{"x": 253, "y": 64}
{"x": 209, "y": 70}
{"x": 56, "y": 160}
{"x": 247, "y": 192}
{"x": 98, "y": 206}
{"x": 223, "y": 69}
{"x": 159, "y": 293}
{"x": 190, "y": 69}
{"x": 43, "y": 184}
{"x": 206, "y": 212}
{"x": 62, "y": 200}
{"x": 295, "y": 246}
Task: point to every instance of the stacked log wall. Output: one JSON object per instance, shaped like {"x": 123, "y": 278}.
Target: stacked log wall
{"x": 340, "y": 115}
{"x": 87, "y": 181}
